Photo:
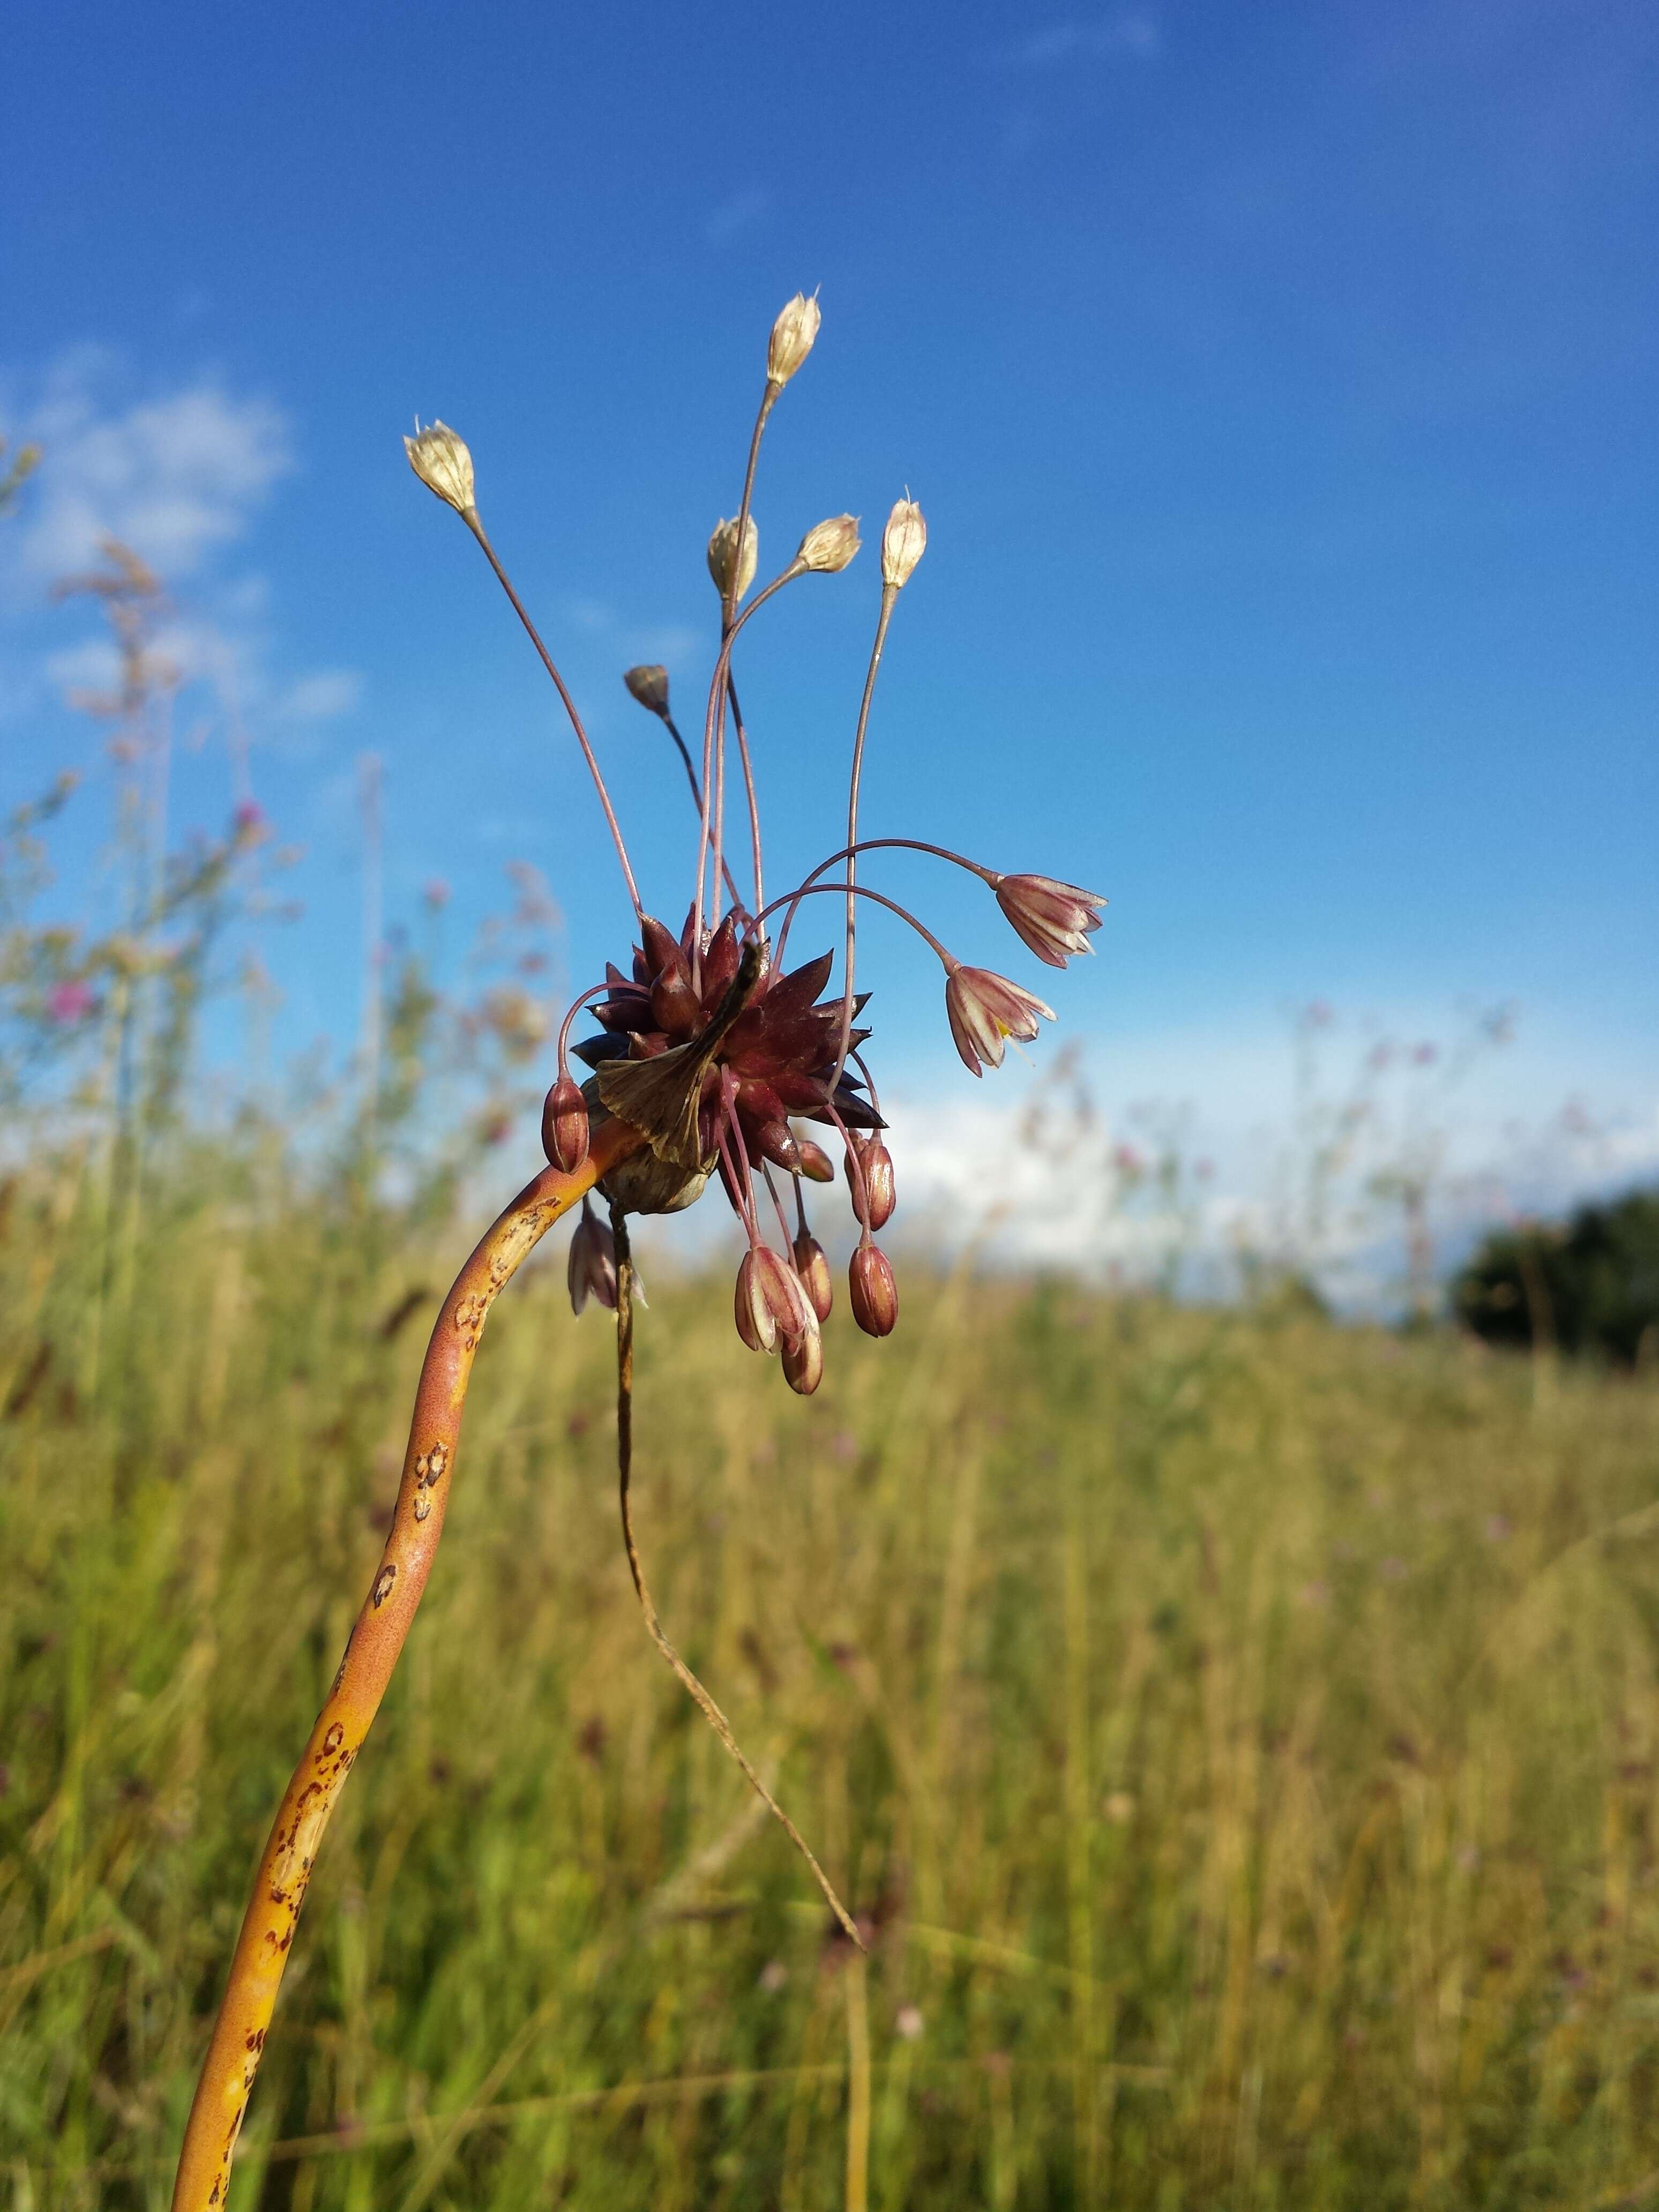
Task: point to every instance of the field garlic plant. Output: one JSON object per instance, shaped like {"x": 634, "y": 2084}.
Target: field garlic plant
{"x": 707, "y": 1051}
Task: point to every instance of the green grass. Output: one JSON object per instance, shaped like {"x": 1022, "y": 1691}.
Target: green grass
{"x": 1242, "y": 1732}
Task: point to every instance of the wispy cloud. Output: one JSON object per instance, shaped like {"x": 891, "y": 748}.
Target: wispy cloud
{"x": 1129, "y": 33}
{"x": 177, "y": 476}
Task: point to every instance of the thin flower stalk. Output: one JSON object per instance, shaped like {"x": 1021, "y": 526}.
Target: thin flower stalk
{"x": 700, "y": 1696}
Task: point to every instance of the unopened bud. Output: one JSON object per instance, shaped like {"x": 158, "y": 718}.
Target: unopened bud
{"x": 902, "y": 543}
{"x": 649, "y": 685}
{"x": 812, "y": 1266}
{"x": 879, "y": 1193}
{"x": 815, "y": 1163}
{"x": 829, "y": 546}
{"x": 792, "y": 338}
{"x": 803, "y": 1361}
{"x": 873, "y": 1293}
{"x": 722, "y": 550}
{"x": 564, "y": 1125}
{"x": 443, "y": 465}
{"x": 769, "y": 1302}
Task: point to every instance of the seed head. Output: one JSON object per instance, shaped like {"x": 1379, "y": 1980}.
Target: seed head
{"x": 902, "y": 543}
{"x": 592, "y": 1273}
{"x": 877, "y": 1163}
{"x": 984, "y": 1010}
{"x": 443, "y": 465}
{"x": 829, "y": 546}
{"x": 873, "y": 1293}
{"x": 564, "y": 1125}
{"x": 792, "y": 338}
{"x": 812, "y": 1266}
{"x": 1055, "y": 920}
{"x": 722, "y": 547}
{"x": 649, "y": 685}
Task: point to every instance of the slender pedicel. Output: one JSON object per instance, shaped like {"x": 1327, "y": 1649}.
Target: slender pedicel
{"x": 711, "y": 1712}
{"x": 889, "y": 599}
{"x": 476, "y": 525}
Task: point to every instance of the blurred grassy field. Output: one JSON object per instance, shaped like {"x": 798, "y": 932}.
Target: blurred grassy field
{"x": 1241, "y": 1734}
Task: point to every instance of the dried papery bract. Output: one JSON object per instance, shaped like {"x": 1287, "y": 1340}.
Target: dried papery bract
{"x": 828, "y": 547}
{"x": 444, "y": 465}
{"x": 722, "y": 550}
{"x": 793, "y": 334}
{"x": 903, "y": 542}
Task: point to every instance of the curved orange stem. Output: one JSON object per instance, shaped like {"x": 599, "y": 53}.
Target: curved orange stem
{"x": 371, "y": 1653}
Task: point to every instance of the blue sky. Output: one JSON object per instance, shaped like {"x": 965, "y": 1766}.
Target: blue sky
{"x": 1279, "y": 383}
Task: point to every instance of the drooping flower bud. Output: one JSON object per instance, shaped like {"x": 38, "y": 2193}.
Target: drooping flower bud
{"x": 592, "y": 1273}
{"x": 873, "y": 1293}
{"x": 829, "y": 546}
{"x": 984, "y": 1010}
{"x": 815, "y": 1164}
{"x": 903, "y": 542}
{"x": 649, "y": 685}
{"x": 793, "y": 334}
{"x": 443, "y": 465}
{"x": 769, "y": 1302}
{"x": 722, "y": 550}
{"x": 877, "y": 1163}
{"x": 812, "y": 1266}
{"x": 564, "y": 1124}
{"x": 803, "y": 1361}
{"x": 1054, "y": 920}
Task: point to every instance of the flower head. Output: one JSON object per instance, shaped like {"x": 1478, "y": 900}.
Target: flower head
{"x": 443, "y": 465}
{"x": 793, "y": 334}
{"x": 903, "y": 542}
{"x": 1054, "y": 920}
{"x": 986, "y": 1010}
{"x": 722, "y": 549}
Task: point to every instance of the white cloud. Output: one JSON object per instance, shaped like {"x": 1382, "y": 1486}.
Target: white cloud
{"x": 321, "y": 697}
{"x": 176, "y": 475}
{"x": 180, "y": 475}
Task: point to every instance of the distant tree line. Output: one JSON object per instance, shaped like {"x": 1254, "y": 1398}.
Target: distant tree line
{"x": 1588, "y": 1284}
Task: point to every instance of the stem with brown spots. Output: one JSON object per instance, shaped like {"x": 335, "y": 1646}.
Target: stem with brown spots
{"x": 371, "y": 1653}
